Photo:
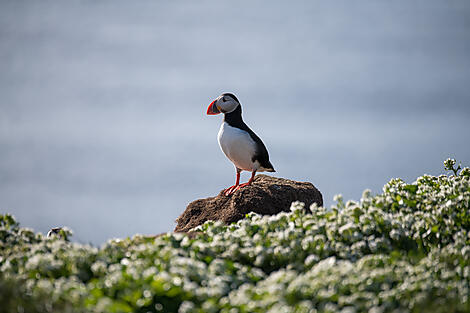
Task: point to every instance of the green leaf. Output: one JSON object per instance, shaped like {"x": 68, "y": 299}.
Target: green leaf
{"x": 411, "y": 188}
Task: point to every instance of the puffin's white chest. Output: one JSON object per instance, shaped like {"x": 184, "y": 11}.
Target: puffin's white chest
{"x": 237, "y": 146}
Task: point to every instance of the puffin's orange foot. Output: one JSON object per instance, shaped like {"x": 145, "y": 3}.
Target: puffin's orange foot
{"x": 230, "y": 190}
{"x": 242, "y": 185}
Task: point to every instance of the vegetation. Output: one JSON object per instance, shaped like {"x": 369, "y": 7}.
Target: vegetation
{"x": 405, "y": 250}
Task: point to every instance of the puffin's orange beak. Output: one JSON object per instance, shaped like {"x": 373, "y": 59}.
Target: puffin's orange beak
{"x": 213, "y": 109}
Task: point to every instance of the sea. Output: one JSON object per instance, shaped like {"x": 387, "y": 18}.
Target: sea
{"x": 103, "y": 124}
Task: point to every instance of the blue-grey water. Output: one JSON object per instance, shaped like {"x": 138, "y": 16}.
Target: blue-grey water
{"x": 102, "y": 103}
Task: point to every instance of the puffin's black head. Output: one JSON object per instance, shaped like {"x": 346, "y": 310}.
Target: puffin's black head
{"x": 225, "y": 103}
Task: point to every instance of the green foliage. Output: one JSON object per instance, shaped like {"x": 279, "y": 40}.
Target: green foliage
{"x": 405, "y": 250}
{"x": 449, "y": 166}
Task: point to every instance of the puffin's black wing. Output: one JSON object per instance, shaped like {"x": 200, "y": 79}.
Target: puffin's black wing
{"x": 261, "y": 155}
{"x": 234, "y": 119}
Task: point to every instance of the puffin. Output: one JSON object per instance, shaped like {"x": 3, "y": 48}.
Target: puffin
{"x": 238, "y": 142}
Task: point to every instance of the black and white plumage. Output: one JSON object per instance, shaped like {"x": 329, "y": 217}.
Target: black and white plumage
{"x": 239, "y": 143}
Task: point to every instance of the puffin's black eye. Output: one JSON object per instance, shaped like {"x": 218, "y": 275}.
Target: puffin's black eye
{"x": 223, "y": 99}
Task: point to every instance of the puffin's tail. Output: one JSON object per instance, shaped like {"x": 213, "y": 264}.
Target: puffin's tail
{"x": 269, "y": 167}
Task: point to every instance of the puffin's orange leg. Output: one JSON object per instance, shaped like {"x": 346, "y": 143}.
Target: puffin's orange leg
{"x": 231, "y": 189}
{"x": 248, "y": 183}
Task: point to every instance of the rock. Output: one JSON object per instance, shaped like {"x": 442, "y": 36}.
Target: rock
{"x": 267, "y": 195}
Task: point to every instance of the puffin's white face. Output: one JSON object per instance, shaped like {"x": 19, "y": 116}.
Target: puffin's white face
{"x": 225, "y": 103}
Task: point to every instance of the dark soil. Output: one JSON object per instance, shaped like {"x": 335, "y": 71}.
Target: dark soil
{"x": 267, "y": 196}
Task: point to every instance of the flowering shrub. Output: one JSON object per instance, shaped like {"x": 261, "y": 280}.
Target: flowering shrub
{"x": 405, "y": 250}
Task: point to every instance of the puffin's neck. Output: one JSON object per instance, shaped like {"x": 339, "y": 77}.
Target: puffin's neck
{"x": 234, "y": 118}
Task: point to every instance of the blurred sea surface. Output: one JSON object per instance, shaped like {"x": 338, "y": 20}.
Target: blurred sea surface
{"x": 102, "y": 103}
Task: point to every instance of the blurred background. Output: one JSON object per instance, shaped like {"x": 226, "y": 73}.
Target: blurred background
{"x": 102, "y": 103}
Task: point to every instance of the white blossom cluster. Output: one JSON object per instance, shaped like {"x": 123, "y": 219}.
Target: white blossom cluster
{"x": 405, "y": 250}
